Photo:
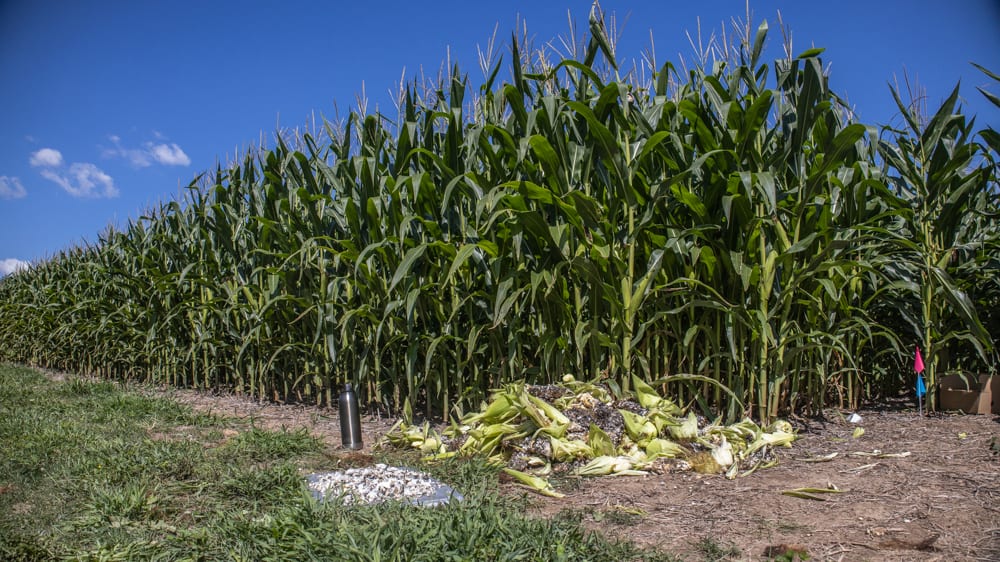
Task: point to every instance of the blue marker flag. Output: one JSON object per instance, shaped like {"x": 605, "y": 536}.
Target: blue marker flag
{"x": 921, "y": 388}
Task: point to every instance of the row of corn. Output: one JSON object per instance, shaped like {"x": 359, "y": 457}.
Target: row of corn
{"x": 581, "y": 428}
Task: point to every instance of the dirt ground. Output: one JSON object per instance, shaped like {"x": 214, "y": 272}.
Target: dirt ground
{"x": 937, "y": 500}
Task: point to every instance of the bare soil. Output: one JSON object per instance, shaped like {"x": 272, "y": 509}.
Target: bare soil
{"x": 941, "y": 502}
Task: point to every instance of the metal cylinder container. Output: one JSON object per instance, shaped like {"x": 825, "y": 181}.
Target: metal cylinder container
{"x": 350, "y": 418}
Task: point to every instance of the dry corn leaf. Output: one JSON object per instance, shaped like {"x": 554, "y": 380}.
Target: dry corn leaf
{"x": 879, "y": 454}
{"x": 821, "y": 458}
{"x": 810, "y": 493}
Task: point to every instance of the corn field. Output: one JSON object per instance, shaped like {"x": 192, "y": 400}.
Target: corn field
{"x": 728, "y": 233}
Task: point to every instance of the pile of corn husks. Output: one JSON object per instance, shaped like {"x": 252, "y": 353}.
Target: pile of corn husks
{"x": 579, "y": 428}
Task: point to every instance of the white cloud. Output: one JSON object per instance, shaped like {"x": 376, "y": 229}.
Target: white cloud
{"x": 11, "y": 188}
{"x": 171, "y": 155}
{"x": 10, "y": 265}
{"x": 136, "y": 157}
{"x": 83, "y": 180}
{"x": 46, "y": 157}
{"x": 166, "y": 154}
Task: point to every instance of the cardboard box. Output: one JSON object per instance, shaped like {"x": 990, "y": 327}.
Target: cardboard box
{"x": 971, "y": 394}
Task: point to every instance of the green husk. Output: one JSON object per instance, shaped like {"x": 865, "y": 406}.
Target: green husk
{"x": 604, "y": 465}
{"x": 723, "y": 454}
{"x": 530, "y": 425}
{"x": 645, "y": 394}
{"x": 771, "y": 440}
{"x": 687, "y": 430}
{"x": 639, "y": 429}
{"x": 599, "y": 442}
{"x": 534, "y": 483}
{"x": 501, "y": 409}
{"x": 664, "y": 448}
{"x": 565, "y": 450}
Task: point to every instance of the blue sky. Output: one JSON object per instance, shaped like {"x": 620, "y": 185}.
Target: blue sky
{"x": 107, "y": 107}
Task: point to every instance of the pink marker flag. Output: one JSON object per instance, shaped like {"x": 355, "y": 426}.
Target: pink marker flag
{"x": 918, "y": 366}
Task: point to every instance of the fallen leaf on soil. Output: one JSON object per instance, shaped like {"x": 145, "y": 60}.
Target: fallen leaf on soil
{"x": 792, "y": 552}
{"x": 809, "y": 493}
{"x": 535, "y": 483}
{"x": 879, "y": 454}
{"x": 860, "y": 468}
{"x": 821, "y": 458}
{"x": 899, "y": 544}
{"x": 880, "y": 531}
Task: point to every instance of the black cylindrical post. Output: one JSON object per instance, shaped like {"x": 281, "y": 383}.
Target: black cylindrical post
{"x": 350, "y": 418}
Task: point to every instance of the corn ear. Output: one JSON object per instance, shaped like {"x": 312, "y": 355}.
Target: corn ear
{"x": 584, "y": 400}
{"x": 747, "y": 428}
{"x": 556, "y": 430}
{"x": 439, "y": 456}
{"x": 665, "y": 448}
{"x": 542, "y": 470}
{"x": 551, "y": 412}
{"x": 482, "y": 443}
{"x": 599, "y": 442}
{"x": 638, "y": 428}
{"x": 647, "y": 396}
{"x": 660, "y": 420}
{"x": 782, "y": 426}
{"x": 535, "y": 483}
{"x": 723, "y": 454}
{"x": 564, "y": 450}
{"x": 779, "y": 439}
{"x": 536, "y": 462}
{"x": 687, "y": 430}
{"x": 429, "y": 445}
{"x": 604, "y": 465}
{"x": 501, "y": 409}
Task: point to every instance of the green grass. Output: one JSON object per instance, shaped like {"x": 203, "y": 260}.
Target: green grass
{"x": 715, "y": 551}
{"x": 91, "y": 471}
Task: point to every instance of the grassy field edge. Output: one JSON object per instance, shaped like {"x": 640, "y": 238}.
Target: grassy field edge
{"x": 90, "y": 470}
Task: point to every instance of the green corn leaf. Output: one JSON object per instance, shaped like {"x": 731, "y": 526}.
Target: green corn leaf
{"x": 406, "y": 266}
